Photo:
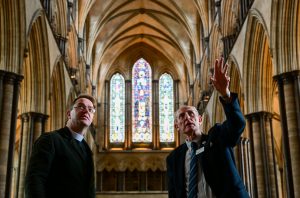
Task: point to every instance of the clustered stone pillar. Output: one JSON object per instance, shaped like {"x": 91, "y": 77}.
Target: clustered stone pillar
{"x": 176, "y": 106}
{"x": 106, "y": 118}
{"x": 263, "y": 156}
{"x": 244, "y": 163}
{"x": 155, "y": 113}
{"x": 33, "y": 125}
{"x": 128, "y": 113}
{"x": 99, "y": 136}
{"x": 289, "y": 103}
{"x": 9, "y": 95}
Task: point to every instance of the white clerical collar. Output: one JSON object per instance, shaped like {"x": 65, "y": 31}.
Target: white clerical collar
{"x": 76, "y": 136}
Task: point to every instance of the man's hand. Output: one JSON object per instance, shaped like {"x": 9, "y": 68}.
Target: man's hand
{"x": 220, "y": 79}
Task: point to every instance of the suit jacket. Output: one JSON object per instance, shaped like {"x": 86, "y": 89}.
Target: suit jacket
{"x": 57, "y": 168}
{"x": 217, "y": 159}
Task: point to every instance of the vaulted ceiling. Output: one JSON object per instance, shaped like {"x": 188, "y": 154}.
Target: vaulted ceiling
{"x": 167, "y": 33}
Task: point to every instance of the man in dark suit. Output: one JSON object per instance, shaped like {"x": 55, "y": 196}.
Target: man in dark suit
{"x": 204, "y": 165}
{"x": 61, "y": 163}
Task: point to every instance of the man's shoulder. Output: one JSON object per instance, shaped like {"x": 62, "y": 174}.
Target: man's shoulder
{"x": 176, "y": 151}
{"x": 59, "y": 133}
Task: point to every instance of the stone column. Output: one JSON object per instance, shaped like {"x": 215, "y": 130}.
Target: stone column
{"x": 263, "y": 154}
{"x": 176, "y": 106}
{"x": 9, "y": 95}
{"x": 33, "y": 125}
{"x": 289, "y": 104}
{"x": 128, "y": 114}
{"x": 106, "y": 116}
{"x": 155, "y": 114}
{"x": 244, "y": 163}
{"x": 99, "y": 134}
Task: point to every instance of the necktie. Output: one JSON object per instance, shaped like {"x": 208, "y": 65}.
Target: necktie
{"x": 193, "y": 180}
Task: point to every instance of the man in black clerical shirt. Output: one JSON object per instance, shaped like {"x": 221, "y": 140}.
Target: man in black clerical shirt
{"x": 61, "y": 163}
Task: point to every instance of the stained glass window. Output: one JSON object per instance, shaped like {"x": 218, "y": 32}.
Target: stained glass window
{"x": 117, "y": 109}
{"x": 141, "y": 100}
{"x": 166, "y": 109}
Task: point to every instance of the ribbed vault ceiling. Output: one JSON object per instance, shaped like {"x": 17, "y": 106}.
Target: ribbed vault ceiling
{"x": 167, "y": 33}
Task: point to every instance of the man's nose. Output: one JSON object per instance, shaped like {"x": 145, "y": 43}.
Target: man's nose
{"x": 186, "y": 115}
{"x": 85, "y": 109}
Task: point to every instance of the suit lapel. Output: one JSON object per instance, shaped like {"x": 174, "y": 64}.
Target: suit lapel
{"x": 180, "y": 161}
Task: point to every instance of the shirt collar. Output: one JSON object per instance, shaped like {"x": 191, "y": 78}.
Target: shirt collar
{"x": 189, "y": 143}
{"x": 76, "y": 136}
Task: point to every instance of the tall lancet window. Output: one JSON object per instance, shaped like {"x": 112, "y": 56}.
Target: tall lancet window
{"x": 166, "y": 109}
{"x": 141, "y": 99}
{"x": 117, "y": 109}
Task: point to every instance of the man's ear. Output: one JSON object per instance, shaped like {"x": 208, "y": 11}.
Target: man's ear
{"x": 200, "y": 119}
{"x": 176, "y": 126}
{"x": 69, "y": 114}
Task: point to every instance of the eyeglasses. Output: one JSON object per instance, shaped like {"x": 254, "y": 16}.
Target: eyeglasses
{"x": 89, "y": 109}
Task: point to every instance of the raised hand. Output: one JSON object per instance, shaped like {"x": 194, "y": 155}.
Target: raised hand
{"x": 220, "y": 79}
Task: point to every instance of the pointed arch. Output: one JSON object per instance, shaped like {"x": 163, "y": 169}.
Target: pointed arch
{"x": 60, "y": 22}
{"x": 117, "y": 109}
{"x": 257, "y": 61}
{"x": 235, "y": 80}
{"x": 58, "y": 97}
{"x": 230, "y": 12}
{"x": 12, "y": 27}
{"x": 285, "y": 25}
{"x": 141, "y": 100}
{"x": 166, "y": 108}
{"x": 35, "y": 88}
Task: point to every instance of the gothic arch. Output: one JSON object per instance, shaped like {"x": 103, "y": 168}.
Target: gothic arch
{"x": 229, "y": 17}
{"x": 35, "y": 87}
{"x": 59, "y": 18}
{"x": 107, "y": 163}
{"x": 154, "y": 163}
{"x": 158, "y": 71}
{"x": 236, "y": 84}
{"x": 11, "y": 35}
{"x": 257, "y": 61}
{"x": 84, "y": 7}
{"x": 204, "y": 16}
{"x": 121, "y": 70}
{"x": 58, "y": 97}
{"x": 285, "y": 25}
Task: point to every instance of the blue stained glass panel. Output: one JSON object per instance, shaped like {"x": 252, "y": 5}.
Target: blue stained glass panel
{"x": 117, "y": 109}
{"x": 141, "y": 100}
{"x": 166, "y": 108}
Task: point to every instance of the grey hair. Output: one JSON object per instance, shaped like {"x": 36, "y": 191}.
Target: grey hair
{"x": 185, "y": 106}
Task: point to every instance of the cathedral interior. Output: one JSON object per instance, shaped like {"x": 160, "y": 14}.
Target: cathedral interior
{"x": 141, "y": 60}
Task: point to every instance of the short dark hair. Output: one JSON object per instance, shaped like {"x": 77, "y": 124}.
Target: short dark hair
{"x": 87, "y": 96}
